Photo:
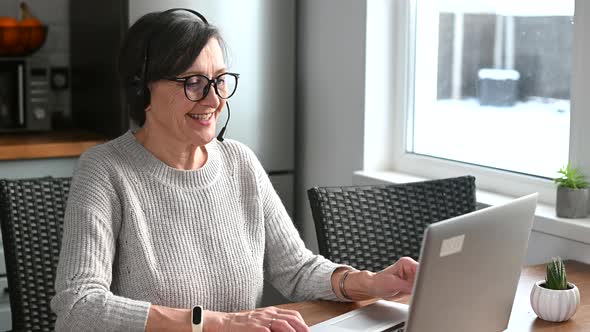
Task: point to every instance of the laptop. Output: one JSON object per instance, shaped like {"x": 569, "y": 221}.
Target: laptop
{"x": 467, "y": 279}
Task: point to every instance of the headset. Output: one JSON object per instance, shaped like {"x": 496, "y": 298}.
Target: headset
{"x": 140, "y": 82}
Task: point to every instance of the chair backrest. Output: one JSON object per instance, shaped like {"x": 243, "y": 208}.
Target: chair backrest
{"x": 370, "y": 227}
{"x": 31, "y": 214}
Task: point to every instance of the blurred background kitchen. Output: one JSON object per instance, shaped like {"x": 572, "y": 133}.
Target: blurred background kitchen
{"x": 331, "y": 92}
{"x": 65, "y": 97}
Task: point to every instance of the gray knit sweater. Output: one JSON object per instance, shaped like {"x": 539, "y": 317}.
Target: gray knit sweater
{"x": 138, "y": 232}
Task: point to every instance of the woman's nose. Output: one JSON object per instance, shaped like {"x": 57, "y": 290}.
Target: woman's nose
{"x": 211, "y": 98}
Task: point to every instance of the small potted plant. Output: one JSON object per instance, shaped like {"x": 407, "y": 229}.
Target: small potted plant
{"x": 555, "y": 299}
{"x": 572, "y": 193}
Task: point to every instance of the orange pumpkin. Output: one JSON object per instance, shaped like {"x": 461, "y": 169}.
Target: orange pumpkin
{"x": 9, "y": 34}
{"x": 32, "y": 32}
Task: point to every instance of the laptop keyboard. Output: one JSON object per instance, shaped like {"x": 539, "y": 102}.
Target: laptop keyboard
{"x": 401, "y": 327}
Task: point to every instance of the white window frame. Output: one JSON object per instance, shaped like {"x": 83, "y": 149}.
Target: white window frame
{"x": 499, "y": 181}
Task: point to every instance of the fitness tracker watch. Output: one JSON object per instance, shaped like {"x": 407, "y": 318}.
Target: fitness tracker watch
{"x": 197, "y": 318}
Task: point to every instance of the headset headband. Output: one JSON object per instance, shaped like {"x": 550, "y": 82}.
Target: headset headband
{"x": 142, "y": 79}
{"x": 199, "y": 15}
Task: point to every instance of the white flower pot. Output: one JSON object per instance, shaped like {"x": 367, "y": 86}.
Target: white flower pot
{"x": 554, "y": 305}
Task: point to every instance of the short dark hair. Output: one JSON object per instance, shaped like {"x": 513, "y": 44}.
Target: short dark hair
{"x": 172, "y": 40}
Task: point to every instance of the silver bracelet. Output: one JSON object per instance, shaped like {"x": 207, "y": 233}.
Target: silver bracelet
{"x": 342, "y": 290}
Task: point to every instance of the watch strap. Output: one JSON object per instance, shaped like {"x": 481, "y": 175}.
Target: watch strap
{"x": 197, "y": 318}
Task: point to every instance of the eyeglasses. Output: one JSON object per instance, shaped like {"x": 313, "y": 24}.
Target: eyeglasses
{"x": 196, "y": 87}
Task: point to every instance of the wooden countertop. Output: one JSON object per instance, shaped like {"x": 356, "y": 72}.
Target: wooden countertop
{"x": 46, "y": 145}
{"x": 522, "y": 318}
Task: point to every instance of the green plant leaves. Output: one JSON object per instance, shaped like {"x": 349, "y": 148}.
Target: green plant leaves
{"x": 556, "y": 277}
{"x": 571, "y": 178}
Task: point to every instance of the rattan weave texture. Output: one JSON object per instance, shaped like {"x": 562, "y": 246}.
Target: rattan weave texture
{"x": 370, "y": 227}
{"x": 31, "y": 214}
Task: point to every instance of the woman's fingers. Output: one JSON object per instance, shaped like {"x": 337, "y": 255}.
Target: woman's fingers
{"x": 275, "y": 320}
{"x": 293, "y": 320}
{"x": 290, "y": 312}
{"x": 279, "y": 325}
{"x": 395, "y": 279}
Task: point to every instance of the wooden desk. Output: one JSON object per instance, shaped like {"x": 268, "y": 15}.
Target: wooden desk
{"x": 522, "y": 318}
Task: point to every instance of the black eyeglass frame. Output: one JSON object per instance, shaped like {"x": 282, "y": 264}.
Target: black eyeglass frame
{"x": 207, "y": 87}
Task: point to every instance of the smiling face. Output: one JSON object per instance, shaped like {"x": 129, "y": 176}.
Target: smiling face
{"x": 180, "y": 120}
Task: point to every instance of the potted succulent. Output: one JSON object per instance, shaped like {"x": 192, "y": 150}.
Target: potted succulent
{"x": 572, "y": 193}
{"x": 555, "y": 299}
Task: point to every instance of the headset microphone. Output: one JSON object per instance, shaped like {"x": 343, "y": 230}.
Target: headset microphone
{"x": 222, "y": 131}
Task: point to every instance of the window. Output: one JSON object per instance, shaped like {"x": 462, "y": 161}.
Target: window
{"x": 485, "y": 90}
{"x": 492, "y": 83}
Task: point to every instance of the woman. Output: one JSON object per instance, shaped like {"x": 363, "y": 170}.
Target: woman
{"x": 166, "y": 219}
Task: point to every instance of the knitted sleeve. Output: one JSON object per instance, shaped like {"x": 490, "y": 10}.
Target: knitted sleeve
{"x": 292, "y": 269}
{"x": 83, "y": 300}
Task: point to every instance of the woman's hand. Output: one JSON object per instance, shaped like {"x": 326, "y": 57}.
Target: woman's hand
{"x": 269, "y": 319}
{"x": 395, "y": 279}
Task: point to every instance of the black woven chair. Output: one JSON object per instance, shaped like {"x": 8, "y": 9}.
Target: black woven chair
{"x": 31, "y": 213}
{"x": 370, "y": 227}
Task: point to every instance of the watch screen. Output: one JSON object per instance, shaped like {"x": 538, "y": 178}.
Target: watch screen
{"x": 197, "y": 315}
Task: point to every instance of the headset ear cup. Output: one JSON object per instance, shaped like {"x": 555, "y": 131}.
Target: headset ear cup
{"x": 137, "y": 93}
{"x": 137, "y": 85}
{"x": 145, "y": 97}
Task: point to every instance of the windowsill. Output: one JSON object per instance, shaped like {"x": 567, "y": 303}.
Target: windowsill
{"x": 545, "y": 219}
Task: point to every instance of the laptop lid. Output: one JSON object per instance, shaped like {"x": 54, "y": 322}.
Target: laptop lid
{"x": 469, "y": 269}
{"x": 467, "y": 279}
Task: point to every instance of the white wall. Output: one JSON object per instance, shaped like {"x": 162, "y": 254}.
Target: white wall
{"x": 380, "y": 97}
{"x": 542, "y": 247}
{"x": 330, "y": 98}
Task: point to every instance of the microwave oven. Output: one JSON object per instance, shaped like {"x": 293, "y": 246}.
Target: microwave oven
{"x": 25, "y": 94}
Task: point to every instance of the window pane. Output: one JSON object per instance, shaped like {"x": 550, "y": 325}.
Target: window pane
{"x": 492, "y": 83}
